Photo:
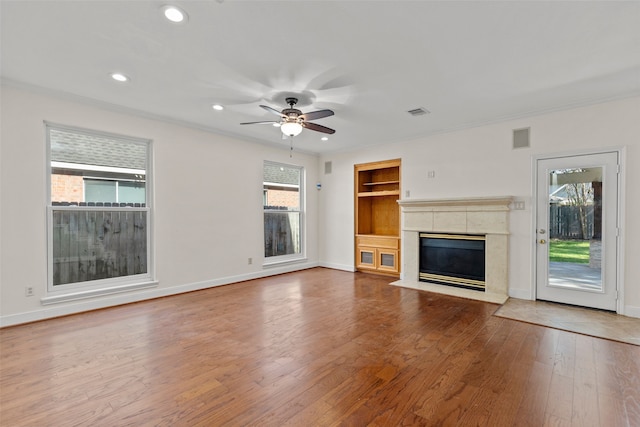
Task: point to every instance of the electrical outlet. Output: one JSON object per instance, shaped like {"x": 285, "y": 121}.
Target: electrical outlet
{"x": 518, "y": 206}
{"x": 250, "y": 261}
{"x": 431, "y": 174}
{"x": 28, "y": 291}
{"x": 407, "y": 193}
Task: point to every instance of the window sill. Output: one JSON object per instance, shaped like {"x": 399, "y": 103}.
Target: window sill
{"x": 282, "y": 262}
{"x": 79, "y": 295}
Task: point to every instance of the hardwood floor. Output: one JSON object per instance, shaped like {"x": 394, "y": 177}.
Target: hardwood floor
{"x": 314, "y": 348}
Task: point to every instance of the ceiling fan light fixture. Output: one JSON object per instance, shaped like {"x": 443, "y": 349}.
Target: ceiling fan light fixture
{"x": 291, "y": 128}
{"x": 293, "y": 120}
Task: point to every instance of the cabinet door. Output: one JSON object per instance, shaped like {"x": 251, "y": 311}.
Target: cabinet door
{"x": 366, "y": 258}
{"x": 387, "y": 260}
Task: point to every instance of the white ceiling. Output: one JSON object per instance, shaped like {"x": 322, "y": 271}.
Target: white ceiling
{"x": 468, "y": 63}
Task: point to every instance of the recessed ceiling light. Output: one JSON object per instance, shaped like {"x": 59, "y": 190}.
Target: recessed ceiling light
{"x": 119, "y": 77}
{"x": 174, "y": 14}
{"x": 217, "y": 107}
{"x": 324, "y": 138}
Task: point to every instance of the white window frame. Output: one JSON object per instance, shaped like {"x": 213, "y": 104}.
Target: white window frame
{"x": 301, "y": 256}
{"x": 89, "y": 289}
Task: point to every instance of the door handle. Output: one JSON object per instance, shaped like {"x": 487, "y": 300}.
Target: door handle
{"x": 542, "y": 241}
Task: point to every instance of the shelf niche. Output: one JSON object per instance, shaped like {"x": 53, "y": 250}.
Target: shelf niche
{"x": 377, "y": 216}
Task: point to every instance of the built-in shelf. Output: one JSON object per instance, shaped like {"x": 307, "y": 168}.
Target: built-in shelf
{"x": 379, "y": 193}
{"x": 377, "y": 217}
{"x": 381, "y": 183}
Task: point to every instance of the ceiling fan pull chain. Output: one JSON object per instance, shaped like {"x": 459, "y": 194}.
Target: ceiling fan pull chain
{"x": 291, "y": 150}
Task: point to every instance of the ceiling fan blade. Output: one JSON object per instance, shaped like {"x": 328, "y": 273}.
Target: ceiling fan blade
{"x": 315, "y": 115}
{"x": 259, "y": 123}
{"x": 272, "y": 110}
{"x": 318, "y": 128}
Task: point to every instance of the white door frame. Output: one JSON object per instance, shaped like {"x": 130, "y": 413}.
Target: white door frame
{"x": 620, "y": 219}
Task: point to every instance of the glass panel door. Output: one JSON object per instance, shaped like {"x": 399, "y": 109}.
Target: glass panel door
{"x": 576, "y": 247}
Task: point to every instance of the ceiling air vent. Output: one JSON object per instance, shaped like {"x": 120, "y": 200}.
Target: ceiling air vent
{"x": 418, "y": 111}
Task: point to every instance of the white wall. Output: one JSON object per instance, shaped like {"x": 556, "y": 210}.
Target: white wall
{"x": 207, "y": 196}
{"x": 481, "y": 162}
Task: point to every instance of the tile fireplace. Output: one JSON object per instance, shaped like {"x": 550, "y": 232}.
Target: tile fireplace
{"x": 482, "y": 219}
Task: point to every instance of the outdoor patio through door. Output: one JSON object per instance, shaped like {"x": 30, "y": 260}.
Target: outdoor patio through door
{"x": 576, "y": 230}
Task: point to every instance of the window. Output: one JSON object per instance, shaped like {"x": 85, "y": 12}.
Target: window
{"x": 97, "y": 190}
{"x": 99, "y": 211}
{"x": 283, "y": 212}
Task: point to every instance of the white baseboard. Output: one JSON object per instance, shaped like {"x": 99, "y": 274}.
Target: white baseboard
{"x": 52, "y": 311}
{"x": 631, "y": 311}
{"x": 520, "y": 293}
{"x": 334, "y": 266}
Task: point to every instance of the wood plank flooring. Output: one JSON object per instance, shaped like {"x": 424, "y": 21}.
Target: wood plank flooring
{"x": 314, "y": 348}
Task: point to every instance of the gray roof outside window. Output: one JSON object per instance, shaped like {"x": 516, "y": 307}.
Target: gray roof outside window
{"x": 98, "y": 150}
{"x": 278, "y": 174}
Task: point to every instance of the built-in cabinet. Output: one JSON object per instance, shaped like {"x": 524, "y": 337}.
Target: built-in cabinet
{"x": 377, "y": 216}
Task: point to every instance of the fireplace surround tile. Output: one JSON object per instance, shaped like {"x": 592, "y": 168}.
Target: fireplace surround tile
{"x": 450, "y": 221}
{"x": 418, "y": 220}
{"x": 487, "y": 222}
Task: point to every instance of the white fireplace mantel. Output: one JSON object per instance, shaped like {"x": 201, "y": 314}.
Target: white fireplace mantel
{"x": 504, "y": 201}
{"x": 488, "y": 216}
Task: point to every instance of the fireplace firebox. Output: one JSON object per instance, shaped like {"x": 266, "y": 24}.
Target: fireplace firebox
{"x": 453, "y": 259}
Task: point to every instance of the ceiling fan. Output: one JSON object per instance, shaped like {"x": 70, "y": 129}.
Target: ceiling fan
{"x": 292, "y": 120}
